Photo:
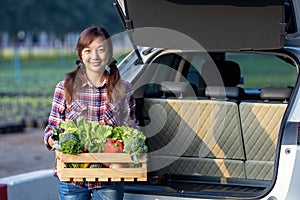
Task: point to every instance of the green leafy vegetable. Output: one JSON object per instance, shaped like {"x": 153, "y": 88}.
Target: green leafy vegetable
{"x": 69, "y": 126}
{"x": 135, "y": 146}
{"x": 70, "y": 144}
{"x": 125, "y": 132}
{"x": 82, "y": 136}
{"x": 92, "y": 134}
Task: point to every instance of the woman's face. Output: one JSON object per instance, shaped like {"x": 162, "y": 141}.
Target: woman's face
{"x": 96, "y": 56}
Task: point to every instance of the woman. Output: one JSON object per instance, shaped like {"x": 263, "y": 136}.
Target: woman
{"x": 95, "y": 91}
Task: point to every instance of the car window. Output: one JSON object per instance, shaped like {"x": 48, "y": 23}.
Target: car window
{"x": 264, "y": 70}
{"x": 194, "y": 69}
{"x": 290, "y": 17}
{"x": 164, "y": 69}
{"x": 257, "y": 71}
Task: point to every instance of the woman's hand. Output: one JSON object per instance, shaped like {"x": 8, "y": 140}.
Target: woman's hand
{"x": 51, "y": 142}
{"x": 57, "y": 155}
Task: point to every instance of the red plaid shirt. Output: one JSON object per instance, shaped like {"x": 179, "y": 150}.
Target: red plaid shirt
{"x": 93, "y": 104}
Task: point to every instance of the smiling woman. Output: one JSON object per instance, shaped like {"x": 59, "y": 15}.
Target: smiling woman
{"x": 95, "y": 91}
{"x": 95, "y": 58}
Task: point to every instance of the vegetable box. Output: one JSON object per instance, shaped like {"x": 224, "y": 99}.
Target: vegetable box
{"x": 128, "y": 172}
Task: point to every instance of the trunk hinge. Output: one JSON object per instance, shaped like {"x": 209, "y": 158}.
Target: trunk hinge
{"x": 283, "y": 30}
{"x": 128, "y": 24}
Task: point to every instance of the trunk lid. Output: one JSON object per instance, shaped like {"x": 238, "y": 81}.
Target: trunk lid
{"x": 217, "y": 25}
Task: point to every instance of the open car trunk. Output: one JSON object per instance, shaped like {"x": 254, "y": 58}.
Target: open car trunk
{"x": 217, "y": 153}
{"x": 214, "y": 24}
{"x": 211, "y": 146}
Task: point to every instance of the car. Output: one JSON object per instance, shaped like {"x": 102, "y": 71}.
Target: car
{"x": 217, "y": 95}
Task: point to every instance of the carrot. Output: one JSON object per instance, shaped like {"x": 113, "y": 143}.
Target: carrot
{"x": 85, "y": 165}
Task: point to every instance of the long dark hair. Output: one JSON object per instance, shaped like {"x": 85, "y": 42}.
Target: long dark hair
{"x": 75, "y": 78}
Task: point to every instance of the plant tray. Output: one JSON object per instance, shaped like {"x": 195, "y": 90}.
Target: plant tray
{"x": 133, "y": 173}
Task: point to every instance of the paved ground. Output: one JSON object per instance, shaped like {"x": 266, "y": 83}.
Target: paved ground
{"x": 24, "y": 152}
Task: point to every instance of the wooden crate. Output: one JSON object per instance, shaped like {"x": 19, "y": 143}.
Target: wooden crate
{"x": 101, "y": 174}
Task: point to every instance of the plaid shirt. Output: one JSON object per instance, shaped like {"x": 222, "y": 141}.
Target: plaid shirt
{"x": 93, "y": 104}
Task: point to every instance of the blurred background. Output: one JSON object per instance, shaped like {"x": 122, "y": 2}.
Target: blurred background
{"x": 37, "y": 48}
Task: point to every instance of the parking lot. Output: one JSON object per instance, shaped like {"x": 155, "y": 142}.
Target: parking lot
{"x": 24, "y": 152}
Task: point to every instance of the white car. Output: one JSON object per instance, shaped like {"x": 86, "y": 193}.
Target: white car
{"x": 217, "y": 92}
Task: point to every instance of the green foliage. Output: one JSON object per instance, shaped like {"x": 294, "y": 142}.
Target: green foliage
{"x": 92, "y": 134}
{"x": 35, "y": 76}
{"x": 68, "y": 126}
{"x": 28, "y": 95}
{"x": 96, "y": 165}
{"x": 82, "y": 134}
{"x": 15, "y": 109}
{"x": 135, "y": 146}
{"x": 70, "y": 144}
{"x": 125, "y": 132}
{"x": 273, "y": 71}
